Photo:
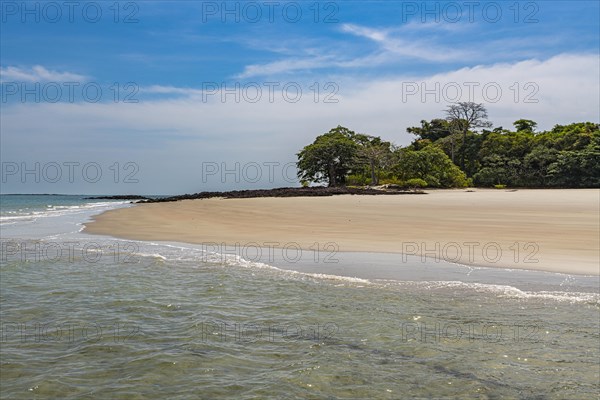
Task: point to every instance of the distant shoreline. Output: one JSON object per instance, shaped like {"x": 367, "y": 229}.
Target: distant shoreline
{"x": 302, "y": 192}
{"x": 556, "y": 232}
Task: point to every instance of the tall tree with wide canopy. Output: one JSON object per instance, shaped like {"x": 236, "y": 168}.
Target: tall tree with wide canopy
{"x": 467, "y": 115}
{"x": 329, "y": 158}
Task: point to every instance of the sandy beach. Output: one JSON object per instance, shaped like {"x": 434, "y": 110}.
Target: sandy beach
{"x": 551, "y": 230}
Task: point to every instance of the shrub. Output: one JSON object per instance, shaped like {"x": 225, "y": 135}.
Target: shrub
{"x": 416, "y": 183}
{"x": 431, "y": 165}
{"x": 357, "y": 180}
{"x": 392, "y": 181}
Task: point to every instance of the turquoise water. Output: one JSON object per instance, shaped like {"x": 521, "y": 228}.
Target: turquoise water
{"x": 94, "y": 317}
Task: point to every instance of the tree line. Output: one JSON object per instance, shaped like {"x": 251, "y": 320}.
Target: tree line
{"x": 451, "y": 152}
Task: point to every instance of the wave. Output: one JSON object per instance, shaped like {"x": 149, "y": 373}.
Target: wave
{"x": 184, "y": 254}
{"x": 191, "y": 254}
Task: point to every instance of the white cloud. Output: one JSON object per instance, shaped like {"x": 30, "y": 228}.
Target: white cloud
{"x": 37, "y": 73}
{"x": 169, "y": 138}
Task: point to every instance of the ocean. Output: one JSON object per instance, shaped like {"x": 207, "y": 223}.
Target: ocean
{"x": 86, "y": 316}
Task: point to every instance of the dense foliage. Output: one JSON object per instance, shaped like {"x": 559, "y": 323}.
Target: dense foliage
{"x": 449, "y": 153}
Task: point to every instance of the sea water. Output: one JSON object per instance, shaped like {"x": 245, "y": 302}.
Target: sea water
{"x": 87, "y": 316}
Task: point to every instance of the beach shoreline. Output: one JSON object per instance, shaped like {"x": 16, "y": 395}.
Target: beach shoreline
{"x": 554, "y": 230}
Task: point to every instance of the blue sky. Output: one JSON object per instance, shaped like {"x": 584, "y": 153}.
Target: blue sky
{"x": 365, "y": 65}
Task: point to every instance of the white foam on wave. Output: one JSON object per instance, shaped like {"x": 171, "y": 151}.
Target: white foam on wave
{"x": 151, "y": 255}
{"x": 17, "y": 218}
{"x": 191, "y": 254}
{"x": 56, "y": 211}
{"x": 507, "y": 291}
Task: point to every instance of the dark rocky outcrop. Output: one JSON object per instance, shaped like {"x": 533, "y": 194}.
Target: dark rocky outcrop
{"x": 282, "y": 192}
{"x": 118, "y": 197}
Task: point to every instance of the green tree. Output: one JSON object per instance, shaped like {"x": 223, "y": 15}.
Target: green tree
{"x": 499, "y": 170}
{"x": 437, "y": 130}
{"x": 470, "y": 147}
{"x": 570, "y": 137}
{"x": 329, "y": 158}
{"x": 525, "y": 125}
{"x": 577, "y": 168}
{"x": 430, "y": 164}
{"x": 536, "y": 164}
{"x": 433, "y": 130}
{"x": 565, "y": 156}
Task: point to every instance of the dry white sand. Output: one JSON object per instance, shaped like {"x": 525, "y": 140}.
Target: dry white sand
{"x": 552, "y": 230}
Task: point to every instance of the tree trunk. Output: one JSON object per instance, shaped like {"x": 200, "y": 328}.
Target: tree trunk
{"x": 374, "y": 180}
{"x": 332, "y": 180}
{"x": 463, "y": 151}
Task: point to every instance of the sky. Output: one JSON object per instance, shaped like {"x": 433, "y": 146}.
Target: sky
{"x": 171, "y": 97}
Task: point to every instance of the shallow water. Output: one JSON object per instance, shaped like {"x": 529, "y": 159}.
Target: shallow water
{"x": 104, "y": 318}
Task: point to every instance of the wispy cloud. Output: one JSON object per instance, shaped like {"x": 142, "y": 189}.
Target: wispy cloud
{"x": 37, "y": 73}
{"x": 436, "y": 26}
{"x": 377, "y": 35}
{"x": 396, "y": 45}
{"x": 159, "y": 89}
{"x": 287, "y": 65}
{"x": 384, "y": 47}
